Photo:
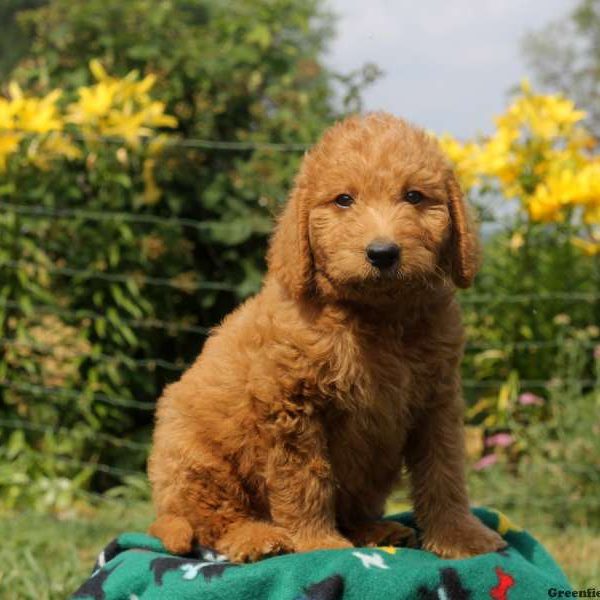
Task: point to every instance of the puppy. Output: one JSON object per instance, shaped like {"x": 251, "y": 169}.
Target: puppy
{"x": 290, "y": 430}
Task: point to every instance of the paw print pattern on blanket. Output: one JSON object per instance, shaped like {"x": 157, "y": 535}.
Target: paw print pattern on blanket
{"x": 331, "y": 588}
{"x": 450, "y": 588}
{"x": 210, "y": 564}
{"x": 94, "y": 586}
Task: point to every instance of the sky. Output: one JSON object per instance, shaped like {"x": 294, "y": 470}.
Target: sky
{"x": 448, "y": 64}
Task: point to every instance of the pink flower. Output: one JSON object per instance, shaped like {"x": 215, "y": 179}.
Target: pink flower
{"x": 529, "y": 399}
{"x": 485, "y": 462}
{"x": 502, "y": 440}
{"x": 597, "y": 352}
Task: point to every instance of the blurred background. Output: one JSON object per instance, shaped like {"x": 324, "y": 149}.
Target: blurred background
{"x": 145, "y": 147}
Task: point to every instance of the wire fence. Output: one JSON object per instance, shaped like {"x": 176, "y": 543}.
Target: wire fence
{"x": 31, "y": 388}
{"x": 151, "y": 364}
{"x": 172, "y": 141}
{"x": 136, "y": 278}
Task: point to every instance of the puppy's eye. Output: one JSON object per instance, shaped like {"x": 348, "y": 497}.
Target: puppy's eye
{"x": 344, "y": 201}
{"x": 414, "y": 196}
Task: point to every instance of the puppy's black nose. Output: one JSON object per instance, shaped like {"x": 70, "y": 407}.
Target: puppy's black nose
{"x": 383, "y": 254}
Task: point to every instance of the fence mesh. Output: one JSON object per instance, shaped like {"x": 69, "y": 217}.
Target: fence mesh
{"x": 78, "y": 383}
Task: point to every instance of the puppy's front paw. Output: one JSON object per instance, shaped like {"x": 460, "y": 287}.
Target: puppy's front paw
{"x": 321, "y": 542}
{"x": 255, "y": 540}
{"x": 382, "y": 533}
{"x": 467, "y": 537}
{"x": 174, "y": 532}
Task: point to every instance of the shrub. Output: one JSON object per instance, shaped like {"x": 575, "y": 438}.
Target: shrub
{"x": 531, "y": 373}
{"x": 121, "y": 242}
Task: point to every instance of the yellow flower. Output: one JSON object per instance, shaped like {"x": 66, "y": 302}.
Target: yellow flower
{"x": 93, "y": 102}
{"x": 157, "y": 144}
{"x": 516, "y": 241}
{"x": 61, "y": 145}
{"x": 98, "y": 70}
{"x": 464, "y": 159}
{"x": 21, "y": 115}
{"x": 541, "y": 154}
{"x": 567, "y": 188}
{"x": 9, "y": 144}
{"x": 543, "y": 116}
{"x": 119, "y": 107}
{"x": 590, "y": 248}
{"x": 144, "y": 86}
{"x": 6, "y": 114}
{"x": 152, "y": 192}
{"x": 125, "y": 124}
{"x": 55, "y": 145}
{"x": 156, "y": 117}
{"x": 35, "y": 115}
{"x": 499, "y": 159}
{"x": 591, "y": 213}
{"x": 544, "y": 205}
{"x": 561, "y": 110}
{"x": 496, "y": 157}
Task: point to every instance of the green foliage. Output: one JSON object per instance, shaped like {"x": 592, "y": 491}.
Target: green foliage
{"x": 13, "y": 43}
{"x": 551, "y": 463}
{"x": 533, "y": 280}
{"x": 100, "y": 308}
{"x": 228, "y": 70}
{"x": 80, "y": 355}
{"x": 532, "y": 359}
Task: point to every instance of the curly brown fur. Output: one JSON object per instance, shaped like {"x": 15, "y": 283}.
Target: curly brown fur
{"x": 291, "y": 428}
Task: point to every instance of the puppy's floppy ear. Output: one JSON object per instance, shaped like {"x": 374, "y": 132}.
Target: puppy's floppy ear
{"x": 464, "y": 245}
{"x": 289, "y": 257}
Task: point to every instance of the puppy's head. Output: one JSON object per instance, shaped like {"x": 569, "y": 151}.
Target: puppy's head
{"x": 376, "y": 207}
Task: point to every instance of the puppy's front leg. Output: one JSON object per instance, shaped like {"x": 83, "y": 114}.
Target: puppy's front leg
{"x": 301, "y": 484}
{"x": 435, "y": 458}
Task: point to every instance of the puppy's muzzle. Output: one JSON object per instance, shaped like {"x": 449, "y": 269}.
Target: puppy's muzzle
{"x": 383, "y": 254}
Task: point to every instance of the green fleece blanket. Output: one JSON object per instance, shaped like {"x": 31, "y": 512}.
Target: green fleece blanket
{"x": 136, "y": 567}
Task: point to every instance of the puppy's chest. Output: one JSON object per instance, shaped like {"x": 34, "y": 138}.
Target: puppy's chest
{"x": 371, "y": 408}
{"x": 366, "y": 443}
{"x": 381, "y": 378}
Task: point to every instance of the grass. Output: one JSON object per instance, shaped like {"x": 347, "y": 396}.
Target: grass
{"x": 45, "y": 558}
{"x": 577, "y": 551}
